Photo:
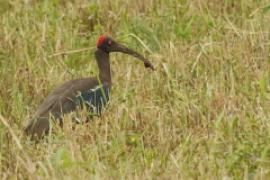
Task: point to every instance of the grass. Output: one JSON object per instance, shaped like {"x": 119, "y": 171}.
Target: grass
{"x": 203, "y": 114}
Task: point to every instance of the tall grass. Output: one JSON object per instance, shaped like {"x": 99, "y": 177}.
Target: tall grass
{"x": 203, "y": 114}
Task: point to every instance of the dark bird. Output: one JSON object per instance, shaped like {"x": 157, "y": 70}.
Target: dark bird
{"x": 92, "y": 92}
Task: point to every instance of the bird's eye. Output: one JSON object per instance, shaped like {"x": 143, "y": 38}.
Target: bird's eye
{"x": 110, "y": 42}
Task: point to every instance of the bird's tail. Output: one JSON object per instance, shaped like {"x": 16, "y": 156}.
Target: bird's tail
{"x": 37, "y": 128}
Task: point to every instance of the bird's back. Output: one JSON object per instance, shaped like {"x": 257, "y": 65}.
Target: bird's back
{"x": 67, "y": 98}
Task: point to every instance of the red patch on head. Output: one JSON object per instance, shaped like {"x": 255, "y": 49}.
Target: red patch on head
{"x": 101, "y": 39}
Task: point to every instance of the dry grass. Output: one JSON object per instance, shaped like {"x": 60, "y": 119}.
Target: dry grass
{"x": 204, "y": 114}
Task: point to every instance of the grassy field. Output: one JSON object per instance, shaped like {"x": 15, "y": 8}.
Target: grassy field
{"x": 203, "y": 114}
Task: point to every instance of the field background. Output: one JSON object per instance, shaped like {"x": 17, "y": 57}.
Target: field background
{"x": 203, "y": 114}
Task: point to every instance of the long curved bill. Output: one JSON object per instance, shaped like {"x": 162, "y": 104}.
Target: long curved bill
{"x": 120, "y": 48}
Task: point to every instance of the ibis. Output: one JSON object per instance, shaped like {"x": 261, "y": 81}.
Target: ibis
{"x": 91, "y": 92}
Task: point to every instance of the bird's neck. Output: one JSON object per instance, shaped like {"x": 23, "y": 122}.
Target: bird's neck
{"x": 103, "y": 61}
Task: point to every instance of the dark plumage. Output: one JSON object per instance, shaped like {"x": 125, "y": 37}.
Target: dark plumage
{"x": 94, "y": 99}
{"x": 90, "y": 92}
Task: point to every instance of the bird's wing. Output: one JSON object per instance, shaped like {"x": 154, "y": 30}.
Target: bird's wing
{"x": 62, "y": 95}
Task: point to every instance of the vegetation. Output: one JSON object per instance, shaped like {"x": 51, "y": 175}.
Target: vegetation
{"x": 203, "y": 114}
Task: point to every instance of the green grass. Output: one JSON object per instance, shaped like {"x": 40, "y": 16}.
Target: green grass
{"x": 203, "y": 114}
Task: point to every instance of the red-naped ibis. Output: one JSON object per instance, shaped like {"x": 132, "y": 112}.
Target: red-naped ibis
{"x": 92, "y": 92}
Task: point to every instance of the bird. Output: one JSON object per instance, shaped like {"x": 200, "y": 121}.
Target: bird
{"x": 90, "y": 92}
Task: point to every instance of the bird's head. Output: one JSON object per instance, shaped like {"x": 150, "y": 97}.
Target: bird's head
{"x": 107, "y": 44}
